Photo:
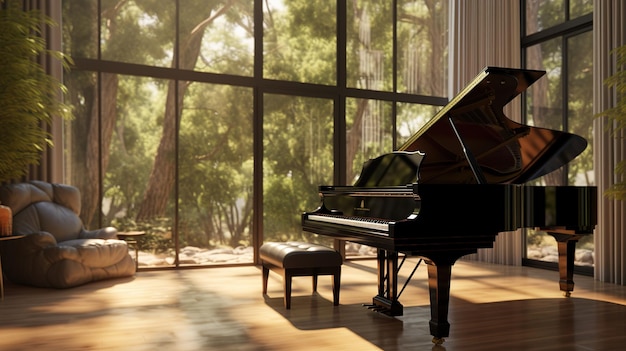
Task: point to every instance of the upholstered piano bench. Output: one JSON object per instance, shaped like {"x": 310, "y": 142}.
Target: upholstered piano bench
{"x": 291, "y": 259}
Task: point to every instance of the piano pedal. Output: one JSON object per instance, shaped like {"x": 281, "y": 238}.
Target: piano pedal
{"x": 378, "y": 309}
{"x": 373, "y": 307}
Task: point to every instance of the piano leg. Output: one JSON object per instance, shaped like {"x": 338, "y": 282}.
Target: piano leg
{"x": 387, "y": 299}
{"x": 566, "y": 244}
{"x": 439, "y": 288}
{"x": 381, "y": 261}
{"x": 439, "y": 274}
{"x": 392, "y": 276}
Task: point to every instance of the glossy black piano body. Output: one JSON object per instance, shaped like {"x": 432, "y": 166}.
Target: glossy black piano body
{"x": 454, "y": 186}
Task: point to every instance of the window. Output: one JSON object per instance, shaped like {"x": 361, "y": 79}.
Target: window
{"x": 210, "y": 125}
{"x": 559, "y": 40}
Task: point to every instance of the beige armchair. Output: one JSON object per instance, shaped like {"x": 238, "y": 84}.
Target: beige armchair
{"x": 56, "y": 250}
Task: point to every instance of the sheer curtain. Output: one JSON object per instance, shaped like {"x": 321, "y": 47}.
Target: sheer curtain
{"x": 609, "y": 18}
{"x": 486, "y": 33}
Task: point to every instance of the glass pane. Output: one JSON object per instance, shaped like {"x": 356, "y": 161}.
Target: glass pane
{"x": 422, "y": 47}
{"x": 369, "y": 133}
{"x": 544, "y": 109}
{"x": 411, "y": 118}
{"x": 580, "y": 120}
{"x": 215, "y": 175}
{"x": 81, "y": 140}
{"x": 541, "y": 15}
{"x": 369, "y": 126}
{"x": 80, "y": 30}
{"x": 580, "y": 105}
{"x": 541, "y": 246}
{"x": 227, "y": 41}
{"x": 544, "y": 98}
{"x": 139, "y": 31}
{"x": 131, "y": 122}
{"x": 300, "y": 41}
{"x": 579, "y": 8}
{"x": 370, "y": 39}
{"x": 139, "y": 183}
{"x": 297, "y": 158}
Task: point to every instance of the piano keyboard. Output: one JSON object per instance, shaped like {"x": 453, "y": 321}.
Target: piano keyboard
{"x": 361, "y": 222}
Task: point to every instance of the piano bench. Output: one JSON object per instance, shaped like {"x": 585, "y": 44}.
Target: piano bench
{"x": 293, "y": 258}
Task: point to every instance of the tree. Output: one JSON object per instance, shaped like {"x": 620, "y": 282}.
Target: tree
{"x": 94, "y": 131}
{"x": 162, "y": 177}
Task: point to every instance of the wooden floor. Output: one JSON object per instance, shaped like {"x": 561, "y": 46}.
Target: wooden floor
{"x": 492, "y": 308}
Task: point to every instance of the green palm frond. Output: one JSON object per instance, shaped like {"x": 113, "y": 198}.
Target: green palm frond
{"x": 617, "y": 115}
{"x": 29, "y": 97}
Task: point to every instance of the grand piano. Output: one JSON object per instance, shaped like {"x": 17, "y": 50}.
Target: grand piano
{"x": 453, "y": 186}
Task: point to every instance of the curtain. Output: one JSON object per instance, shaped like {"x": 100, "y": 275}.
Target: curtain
{"x": 486, "y": 33}
{"x": 50, "y": 167}
{"x": 609, "y": 18}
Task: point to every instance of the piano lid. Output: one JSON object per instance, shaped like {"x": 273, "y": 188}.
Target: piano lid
{"x": 504, "y": 151}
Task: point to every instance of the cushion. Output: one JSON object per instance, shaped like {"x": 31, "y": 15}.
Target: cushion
{"x": 296, "y": 254}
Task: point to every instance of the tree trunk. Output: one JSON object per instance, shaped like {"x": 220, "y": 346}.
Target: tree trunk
{"x": 163, "y": 173}
{"x": 98, "y": 142}
{"x": 436, "y": 30}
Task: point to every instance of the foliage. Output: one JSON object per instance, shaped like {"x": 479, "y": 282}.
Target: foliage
{"x": 216, "y": 166}
{"x": 29, "y": 97}
{"x": 617, "y": 115}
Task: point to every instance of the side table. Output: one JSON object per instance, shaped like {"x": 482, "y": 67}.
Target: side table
{"x": 132, "y": 239}
{"x": 2, "y": 238}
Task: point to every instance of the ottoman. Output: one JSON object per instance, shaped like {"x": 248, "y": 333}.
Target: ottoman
{"x": 294, "y": 258}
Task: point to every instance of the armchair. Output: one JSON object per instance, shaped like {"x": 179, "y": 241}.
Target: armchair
{"x": 56, "y": 250}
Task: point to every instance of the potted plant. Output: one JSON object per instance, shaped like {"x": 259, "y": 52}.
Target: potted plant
{"x": 29, "y": 97}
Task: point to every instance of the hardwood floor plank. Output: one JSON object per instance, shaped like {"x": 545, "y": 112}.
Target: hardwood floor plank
{"x": 492, "y": 307}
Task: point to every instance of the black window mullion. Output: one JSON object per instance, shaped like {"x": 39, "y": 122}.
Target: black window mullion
{"x": 339, "y": 137}
{"x": 257, "y": 179}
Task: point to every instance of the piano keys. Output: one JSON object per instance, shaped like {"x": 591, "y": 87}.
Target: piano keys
{"x": 453, "y": 186}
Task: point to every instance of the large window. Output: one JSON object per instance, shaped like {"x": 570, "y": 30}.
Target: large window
{"x": 558, "y": 39}
{"x": 210, "y": 125}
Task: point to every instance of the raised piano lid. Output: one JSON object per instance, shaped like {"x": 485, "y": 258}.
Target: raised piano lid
{"x": 505, "y": 151}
